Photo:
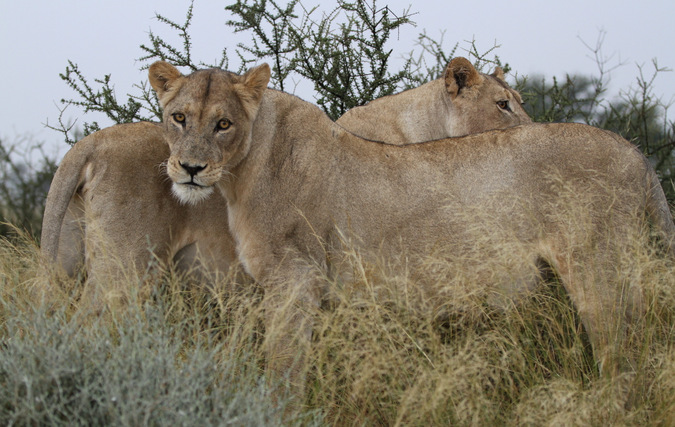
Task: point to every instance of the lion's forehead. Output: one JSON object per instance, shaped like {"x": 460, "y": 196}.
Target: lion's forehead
{"x": 497, "y": 85}
{"x": 516, "y": 95}
{"x": 208, "y": 90}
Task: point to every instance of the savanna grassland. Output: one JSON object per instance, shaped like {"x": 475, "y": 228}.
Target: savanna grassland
{"x": 391, "y": 347}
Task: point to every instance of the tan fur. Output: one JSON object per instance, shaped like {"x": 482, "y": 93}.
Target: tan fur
{"x": 462, "y": 102}
{"x": 131, "y": 154}
{"x": 110, "y": 202}
{"x": 298, "y": 186}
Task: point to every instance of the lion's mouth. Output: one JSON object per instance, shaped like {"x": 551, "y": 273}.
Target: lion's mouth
{"x": 192, "y": 183}
{"x": 191, "y": 192}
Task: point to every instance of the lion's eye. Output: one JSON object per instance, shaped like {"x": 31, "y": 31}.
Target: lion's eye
{"x": 224, "y": 124}
{"x": 504, "y": 105}
{"x": 179, "y": 117}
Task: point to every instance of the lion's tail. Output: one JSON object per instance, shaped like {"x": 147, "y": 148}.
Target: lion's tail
{"x": 66, "y": 180}
{"x": 659, "y": 212}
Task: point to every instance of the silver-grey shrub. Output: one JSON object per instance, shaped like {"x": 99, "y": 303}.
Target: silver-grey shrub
{"x": 138, "y": 370}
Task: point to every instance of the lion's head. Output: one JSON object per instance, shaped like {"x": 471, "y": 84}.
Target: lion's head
{"x": 463, "y": 101}
{"x": 204, "y": 129}
{"x": 481, "y": 101}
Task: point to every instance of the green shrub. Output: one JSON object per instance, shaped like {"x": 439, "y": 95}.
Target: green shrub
{"x": 346, "y": 56}
{"x": 26, "y": 171}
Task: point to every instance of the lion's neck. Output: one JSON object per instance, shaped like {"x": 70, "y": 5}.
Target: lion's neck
{"x": 425, "y": 113}
{"x": 407, "y": 117}
{"x": 291, "y": 143}
{"x": 281, "y": 142}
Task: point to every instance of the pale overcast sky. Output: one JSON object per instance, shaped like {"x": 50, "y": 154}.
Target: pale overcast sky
{"x": 103, "y": 37}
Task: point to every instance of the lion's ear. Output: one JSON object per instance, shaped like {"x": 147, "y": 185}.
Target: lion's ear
{"x": 161, "y": 75}
{"x": 498, "y": 73}
{"x": 252, "y": 87}
{"x": 460, "y": 74}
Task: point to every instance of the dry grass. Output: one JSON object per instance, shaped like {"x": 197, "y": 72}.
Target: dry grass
{"x": 393, "y": 346}
{"x": 391, "y": 354}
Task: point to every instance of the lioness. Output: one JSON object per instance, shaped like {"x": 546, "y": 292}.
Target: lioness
{"x": 461, "y": 102}
{"x": 297, "y": 185}
{"x": 112, "y": 183}
{"x": 99, "y": 179}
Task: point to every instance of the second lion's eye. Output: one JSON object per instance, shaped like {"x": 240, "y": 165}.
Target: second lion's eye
{"x": 224, "y": 124}
{"x": 503, "y": 104}
{"x": 179, "y": 117}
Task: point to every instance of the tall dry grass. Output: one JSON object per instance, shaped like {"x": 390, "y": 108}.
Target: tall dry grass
{"x": 169, "y": 356}
{"x": 392, "y": 346}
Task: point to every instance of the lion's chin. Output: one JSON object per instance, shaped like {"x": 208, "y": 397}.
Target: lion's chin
{"x": 190, "y": 194}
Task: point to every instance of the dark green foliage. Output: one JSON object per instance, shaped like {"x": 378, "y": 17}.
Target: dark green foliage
{"x": 270, "y": 35}
{"x": 161, "y": 50}
{"x": 346, "y": 55}
{"x": 25, "y": 173}
{"x": 571, "y": 100}
{"x": 104, "y": 100}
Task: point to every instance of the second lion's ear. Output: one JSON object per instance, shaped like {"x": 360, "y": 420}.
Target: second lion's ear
{"x": 162, "y": 76}
{"x": 460, "y": 74}
{"x": 499, "y": 74}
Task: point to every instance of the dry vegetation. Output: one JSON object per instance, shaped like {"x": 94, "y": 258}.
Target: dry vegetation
{"x": 393, "y": 346}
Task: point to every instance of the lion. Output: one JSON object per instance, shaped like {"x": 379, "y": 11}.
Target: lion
{"x": 98, "y": 179}
{"x": 112, "y": 182}
{"x": 298, "y": 186}
{"x": 461, "y": 102}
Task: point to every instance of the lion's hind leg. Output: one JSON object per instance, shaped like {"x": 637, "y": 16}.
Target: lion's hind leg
{"x": 608, "y": 305}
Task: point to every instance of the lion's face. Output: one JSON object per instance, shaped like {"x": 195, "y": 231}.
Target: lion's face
{"x": 480, "y": 102}
{"x": 208, "y": 116}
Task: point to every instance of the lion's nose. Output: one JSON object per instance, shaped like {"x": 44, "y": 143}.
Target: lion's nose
{"x": 192, "y": 169}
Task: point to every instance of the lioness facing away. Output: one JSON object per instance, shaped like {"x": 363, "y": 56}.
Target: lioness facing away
{"x": 112, "y": 182}
{"x": 111, "y": 196}
{"x": 298, "y": 185}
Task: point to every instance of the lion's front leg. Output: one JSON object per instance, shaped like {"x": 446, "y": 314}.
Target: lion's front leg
{"x": 292, "y": 298}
